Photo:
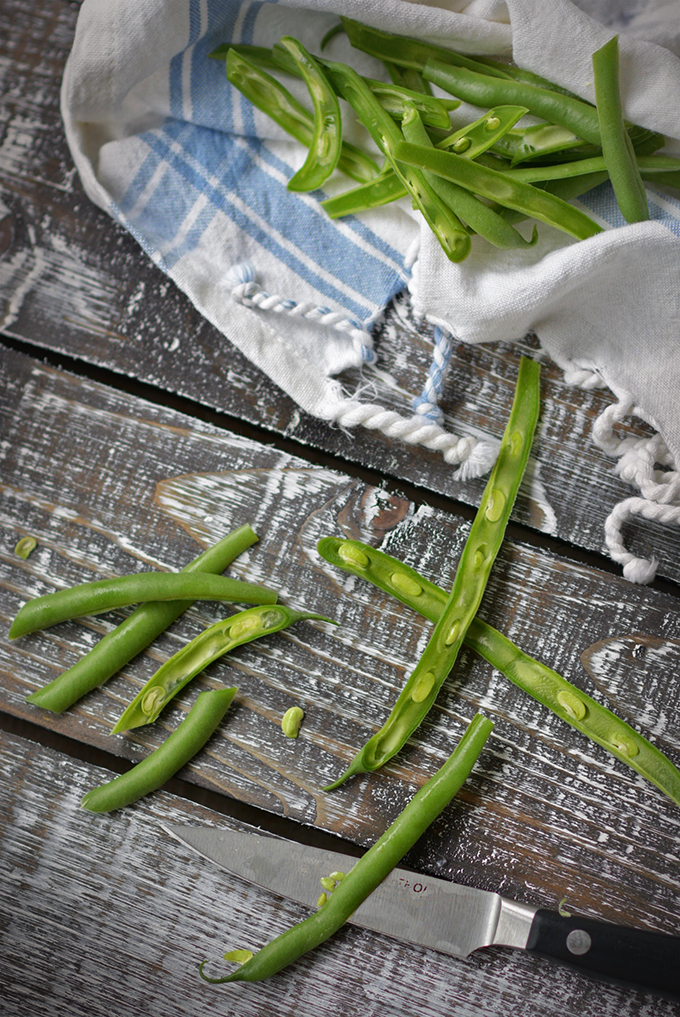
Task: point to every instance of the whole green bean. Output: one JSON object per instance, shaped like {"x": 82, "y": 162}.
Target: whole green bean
{"x": 325, "y": 146}
{"x": 121, "y": 591}
{"x": 617, "y": 148}
{"x": 207, "y": 647}
{"x": 270, "y": 96}
{"x": 136, "y": 632}
{"x": 448, "y": 229}
{"x": 484, "y": 90}
{"x": 165, "y": 761}
{"x": 597, "y": 164}
{"x": 501, "y": 187}
{"x": 538, "y": 680}
{"x": 474, "y": 567}
{"x": 372, "y": 867}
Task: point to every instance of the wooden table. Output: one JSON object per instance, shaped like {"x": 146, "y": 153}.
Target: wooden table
{"x": 131, "y": 436}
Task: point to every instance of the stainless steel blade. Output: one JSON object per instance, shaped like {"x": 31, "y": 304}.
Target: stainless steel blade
{"x": 430, "y": 912}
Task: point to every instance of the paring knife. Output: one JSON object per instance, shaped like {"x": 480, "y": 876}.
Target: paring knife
{"x": 444, "y": 916}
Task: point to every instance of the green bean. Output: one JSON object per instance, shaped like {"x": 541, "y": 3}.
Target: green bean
{"x": 136, "y": 632}
{"x": 370, "y": 870}
{"x": 210, "y": 645}
{"x": 381, "y": 191}
{"x": 331, "y": 34}
{"x": 448, "y": 229}
{"x": 570, "y": 187}
{"x": 483, "y": 90}
{"x": 617, "y": 148}
{"x": 165, "y": 761}
{"x": 597, "y": 164}
{"x": 500, "y": 187}
{"x": 407, "y": 77}
{"x": 325, "y": 146}
{"x": 475, "y": 138}
{"x": 538, "y": 680}
{"x": 478, "y": 216}
{"x": 121, "y": 591}
{"x": 272, "y": 98}
{"x": 474, "y": 567}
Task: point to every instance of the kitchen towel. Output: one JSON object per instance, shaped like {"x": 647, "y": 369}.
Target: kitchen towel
{"x": 198, "y": 176}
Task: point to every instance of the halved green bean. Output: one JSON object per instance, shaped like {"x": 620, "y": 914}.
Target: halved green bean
{"x": 484, "y": 90}
{"x": 121, "y": 591}
{"x": 448, "y": 229}
{"x": 475, "y": 138}
{"x": 370, "y": 870}
{"x": 538, "y": 680}
{"x": 207, "y": 647}
{"x": 616, "y": 144}
{"x": 381, "y": 191}
{"x": 270, "y": 96}
{"x": 570, "y": 187}
{"x": 136, "y": 632}
{"x": 500, "y": 187}
{"x": 478, "y": 216}
{"x": 325, "y": 146}
{"x": 474, "y": 567}
{"x": 165, "y": 761}
{"x": 408, "y": 77}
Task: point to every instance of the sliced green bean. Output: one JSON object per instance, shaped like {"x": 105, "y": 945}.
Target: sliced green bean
{"x": 325, "y": 146}
{"x": 570, "y": 187}
{"x": 475, "y": 138}
{"x": 270, "y": 96}
{"x": 500, "y": 187}
{"x": 136, "y": 632}
{"x": 381, "y": 191}
{"x": 538, "y": 680}
{"x": 165, "y": 761}
{"x": 372, "y": 867}
{"x": 448, "y": 229}
{"x": 210, "y": 645}
{"x": 474, "y": 567}
{"x": 484, "y": 90}
{"x": 617, "y": 148}
{"x": 121, "y": 591}
{"x": 478, "y": 216}
{"x": 407, "y": 77}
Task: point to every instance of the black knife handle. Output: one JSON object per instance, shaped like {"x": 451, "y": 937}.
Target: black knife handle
{"x": 617, "y": 953}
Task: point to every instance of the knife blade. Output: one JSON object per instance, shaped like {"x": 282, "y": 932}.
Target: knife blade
{"x": 440, "y": 915}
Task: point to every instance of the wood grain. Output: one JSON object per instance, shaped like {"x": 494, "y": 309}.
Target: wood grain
{"x": 74, "y": 282}
{"x": 107, "y": 914}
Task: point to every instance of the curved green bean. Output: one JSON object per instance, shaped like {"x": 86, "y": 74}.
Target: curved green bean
{"x": 538, "y": 680}
{"x": 325, "y": 146}
{"x": 165, "y": 761}
{"x": 474, "y": 567}
{"x": 136, "y": 632}
{"x": 617, "y": 148}
{"x": 484, "y": 90}
{"x": 270, "y": 96}
{"x": 501, "y": 187}
{"x": 372, "y": 867}
{"x": 210, "y": 645}
{"x": 121, "y": 591}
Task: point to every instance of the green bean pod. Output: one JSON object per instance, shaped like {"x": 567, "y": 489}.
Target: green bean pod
{"x": 325, "y": 146}
{"x": 484, "y": 90}
{"x": 448, "y": 229}
{"x": 270, "y": 96}
{"x": 566, "y": 189}
{"x": 477, "y": 137}
{"x": 165, "y": 761}
{"x": 596, "y": 164}
{"x": 474, "y": 567}
{"x": 370, "y": 870}
{"x": 381, "y": 191}
{"x": 136, "y": 632}
{"x": 617, "y": 148}
{"x": 500, "y": 187}
{"x": 407, "y": 77}
{"x": 121, "y": 591}
{"x": 210, "y": 645}
{"x": 478, "y": 216}
{"x": 549, "y": 688}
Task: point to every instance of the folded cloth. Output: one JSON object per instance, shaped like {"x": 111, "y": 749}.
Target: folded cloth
{"x": 165, "y": 145}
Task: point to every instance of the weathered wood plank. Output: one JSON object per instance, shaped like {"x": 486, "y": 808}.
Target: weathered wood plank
{"x": 110, "y": 484}
{"x": 72, "y": 281}
{"x": 105, "y": 914}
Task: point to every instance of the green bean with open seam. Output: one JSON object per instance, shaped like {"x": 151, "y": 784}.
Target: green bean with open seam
{"x": 538, "y": 680}
{"x": 474, "y": 568}
{"x": 370, "y": 870}
{"x": 165, "y": 761}
{"x": 211, "y": 644}
{"x": 115, "y": 649}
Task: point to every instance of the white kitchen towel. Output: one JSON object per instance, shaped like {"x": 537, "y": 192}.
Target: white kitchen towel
{"x": 169, "y": 149}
